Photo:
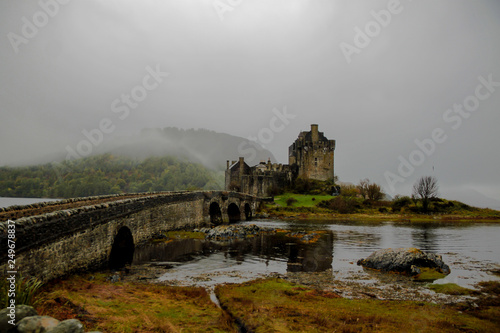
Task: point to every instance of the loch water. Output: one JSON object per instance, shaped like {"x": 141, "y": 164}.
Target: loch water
{"x": 8, "y": 201}
{"x": 470, "y": 249}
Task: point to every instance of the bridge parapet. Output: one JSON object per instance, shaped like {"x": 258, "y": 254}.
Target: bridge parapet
{"x": 82, "y": 238}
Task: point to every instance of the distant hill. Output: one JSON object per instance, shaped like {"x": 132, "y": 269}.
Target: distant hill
{"x": 473, "y": 198}
{"x": 155, "y": 160}
{"x": 106, "y": 174}
{"x": 212, "y": 149}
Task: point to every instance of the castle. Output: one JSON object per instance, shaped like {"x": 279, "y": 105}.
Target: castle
{"x": 311, "y": 156}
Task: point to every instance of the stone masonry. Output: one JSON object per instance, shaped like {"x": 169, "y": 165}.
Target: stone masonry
{"x": 311, "y": 156}
{"x": 80, "y": 239}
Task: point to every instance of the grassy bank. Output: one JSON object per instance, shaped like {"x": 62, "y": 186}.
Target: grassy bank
{"x": 277, "y": 306}
{"x": 264, "y": 305}
{"x": 317, "y": 207}
{"x": 127, "y": 307}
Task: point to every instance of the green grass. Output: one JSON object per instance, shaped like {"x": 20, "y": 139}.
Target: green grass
{"x": 451, "y": 289}
{"x": 429, "y": 274}
{"x": 306, "y": 207}
{"x": 26, "y": 291}
{"x": 274, "y": 305}
{"x": 130, "y": 307}
{"x": 174, "y": 235}
{"x": 303, "y": 200}
{"x": 185, "y": 235}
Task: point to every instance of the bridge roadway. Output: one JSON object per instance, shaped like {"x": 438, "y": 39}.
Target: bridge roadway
{"x": 58, "y": 238}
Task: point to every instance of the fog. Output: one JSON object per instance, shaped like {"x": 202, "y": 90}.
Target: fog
{"x": 407, "y": 88}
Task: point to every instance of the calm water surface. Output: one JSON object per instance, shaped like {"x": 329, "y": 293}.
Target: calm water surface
{"x": 468, "y": 248}
{"x": 6, "y": 202}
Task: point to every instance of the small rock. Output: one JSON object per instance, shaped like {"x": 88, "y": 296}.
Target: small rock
{"x": 68, "y": 326}
{"x": 114, "y": 278}
{"x": 22, "y": 311}
{"x": 36, "y": 324}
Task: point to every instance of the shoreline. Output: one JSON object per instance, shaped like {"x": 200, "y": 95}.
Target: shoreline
{"x": 306, "y": 216}
{"x": 137, "y": 299}
{"x": 93, "y": 297}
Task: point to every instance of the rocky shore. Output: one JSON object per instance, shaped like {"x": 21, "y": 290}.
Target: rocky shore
{"x": 227, "y": 232}
{"x": 25, "y": 319}
{"x": 378, "y": 285}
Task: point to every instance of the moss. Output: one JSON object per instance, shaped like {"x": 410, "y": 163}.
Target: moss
{"x": 129, "y": 307}
{"x": 300, "y": 200}
{"x": 429, "y": 274}
{"x": 490, "y": 287}
{"x": 173, "y": 235}
{"x": 496, "y": 272}
{"x": 451, "y": 289}
{"x": 274, "y": 305}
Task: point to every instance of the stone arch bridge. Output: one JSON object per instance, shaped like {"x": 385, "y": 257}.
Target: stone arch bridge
{"x": 91, "y": 233}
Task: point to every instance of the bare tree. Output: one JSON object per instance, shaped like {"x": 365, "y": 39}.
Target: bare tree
{"x": 425, "y": 188}
{"x": 375, "y": 192}
{"x": 363, "y": 187}
{"x": 370, "y": 191}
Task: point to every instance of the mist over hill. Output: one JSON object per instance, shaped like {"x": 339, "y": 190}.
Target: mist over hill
{"x": 154, "y": 160}
{"x": 107, "y": 174}
{"x": 210, "y": 148}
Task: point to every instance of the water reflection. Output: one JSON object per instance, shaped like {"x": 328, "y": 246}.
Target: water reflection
{"x": 466, "y": 247}
{"x": 424, "y": 237}
{"x": 298, "y": 255}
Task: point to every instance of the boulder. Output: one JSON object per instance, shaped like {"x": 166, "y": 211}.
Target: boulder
{"x": 68, "y": 326}
{"x": 404, "y": 260}
{"x": 36, "y": 324}
{"x": 226, "y": 232}
{"x": 21, "y": 311}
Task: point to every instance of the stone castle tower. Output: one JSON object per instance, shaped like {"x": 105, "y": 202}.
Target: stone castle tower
{"x": 313, "y": 154}
{"x": 310, "y": 157}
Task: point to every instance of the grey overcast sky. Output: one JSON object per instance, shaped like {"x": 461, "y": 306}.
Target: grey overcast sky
{"x": 375, "y": 75}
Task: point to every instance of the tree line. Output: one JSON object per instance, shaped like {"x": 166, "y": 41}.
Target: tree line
{"x": 106, "y": 174}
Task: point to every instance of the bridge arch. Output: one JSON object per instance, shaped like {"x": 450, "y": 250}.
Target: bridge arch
{"x": 248, "y": 212}
{"x": 233, "y": 212}
{"x": 110, "y": 228}
{"x": 215, "y": 213}
{"x": 122, "y": 251}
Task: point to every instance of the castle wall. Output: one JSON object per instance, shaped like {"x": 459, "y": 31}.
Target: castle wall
{"x": 313, "y": 153}
{"x": 311, "y": 156}
{"x": 317, "y": 162}
{"x": 259, "y": 183}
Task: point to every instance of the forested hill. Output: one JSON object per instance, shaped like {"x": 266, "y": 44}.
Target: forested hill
{"x": 106, "y": 174}
{"x": 209, "y": 148}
